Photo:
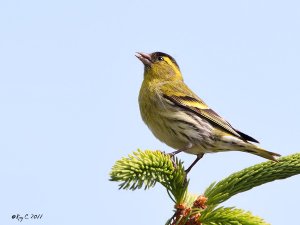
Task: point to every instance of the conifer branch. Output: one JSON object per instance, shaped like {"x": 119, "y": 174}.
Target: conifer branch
{"x": 227, "y": 216}
{"x": 146, "y": 168}
{"x": 252, "y": 177}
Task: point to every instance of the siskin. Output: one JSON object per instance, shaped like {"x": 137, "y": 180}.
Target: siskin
{"x": 179, "y": 118}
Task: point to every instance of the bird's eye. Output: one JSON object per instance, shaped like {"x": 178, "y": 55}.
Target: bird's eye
{"x": 160, "y": 58}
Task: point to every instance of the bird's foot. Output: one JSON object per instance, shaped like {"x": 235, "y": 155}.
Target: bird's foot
{"x": 172, "y": 159}
{"x": 172, "y": 154}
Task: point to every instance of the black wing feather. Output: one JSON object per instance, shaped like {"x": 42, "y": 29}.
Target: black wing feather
{"x": 246, "y": 137}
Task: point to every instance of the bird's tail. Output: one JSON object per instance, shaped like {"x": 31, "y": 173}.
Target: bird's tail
{"x": 256, "y": 150}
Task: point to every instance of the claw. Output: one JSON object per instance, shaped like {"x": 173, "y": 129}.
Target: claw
{"x": 172, "y": 154}
{"x": 172, "y": 159}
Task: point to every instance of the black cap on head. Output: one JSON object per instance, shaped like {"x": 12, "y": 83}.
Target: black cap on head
{"x": 155, "y": 55}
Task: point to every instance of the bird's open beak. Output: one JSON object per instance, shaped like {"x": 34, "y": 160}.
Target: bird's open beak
{"x": 145, "y": 58}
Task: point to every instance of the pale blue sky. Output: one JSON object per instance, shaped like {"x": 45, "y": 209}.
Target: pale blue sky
{"x": 69, "y": 84}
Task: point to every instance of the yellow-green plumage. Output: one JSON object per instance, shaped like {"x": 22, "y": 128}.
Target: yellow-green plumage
{"x": 179, "y": 118}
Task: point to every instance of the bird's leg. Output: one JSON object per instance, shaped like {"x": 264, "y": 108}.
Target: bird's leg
{"x": 199, "y": 156}
{"x": 188, "y": 146}
{"x": 175, "y": 152}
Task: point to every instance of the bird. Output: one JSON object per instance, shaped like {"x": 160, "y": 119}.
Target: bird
{"x": 182, "y": 120}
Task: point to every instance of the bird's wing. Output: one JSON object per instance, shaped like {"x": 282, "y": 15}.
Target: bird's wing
{"x": 190, "y": 102}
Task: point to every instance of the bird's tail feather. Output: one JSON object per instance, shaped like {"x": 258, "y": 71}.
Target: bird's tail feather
{"x": 263, "y": 153}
